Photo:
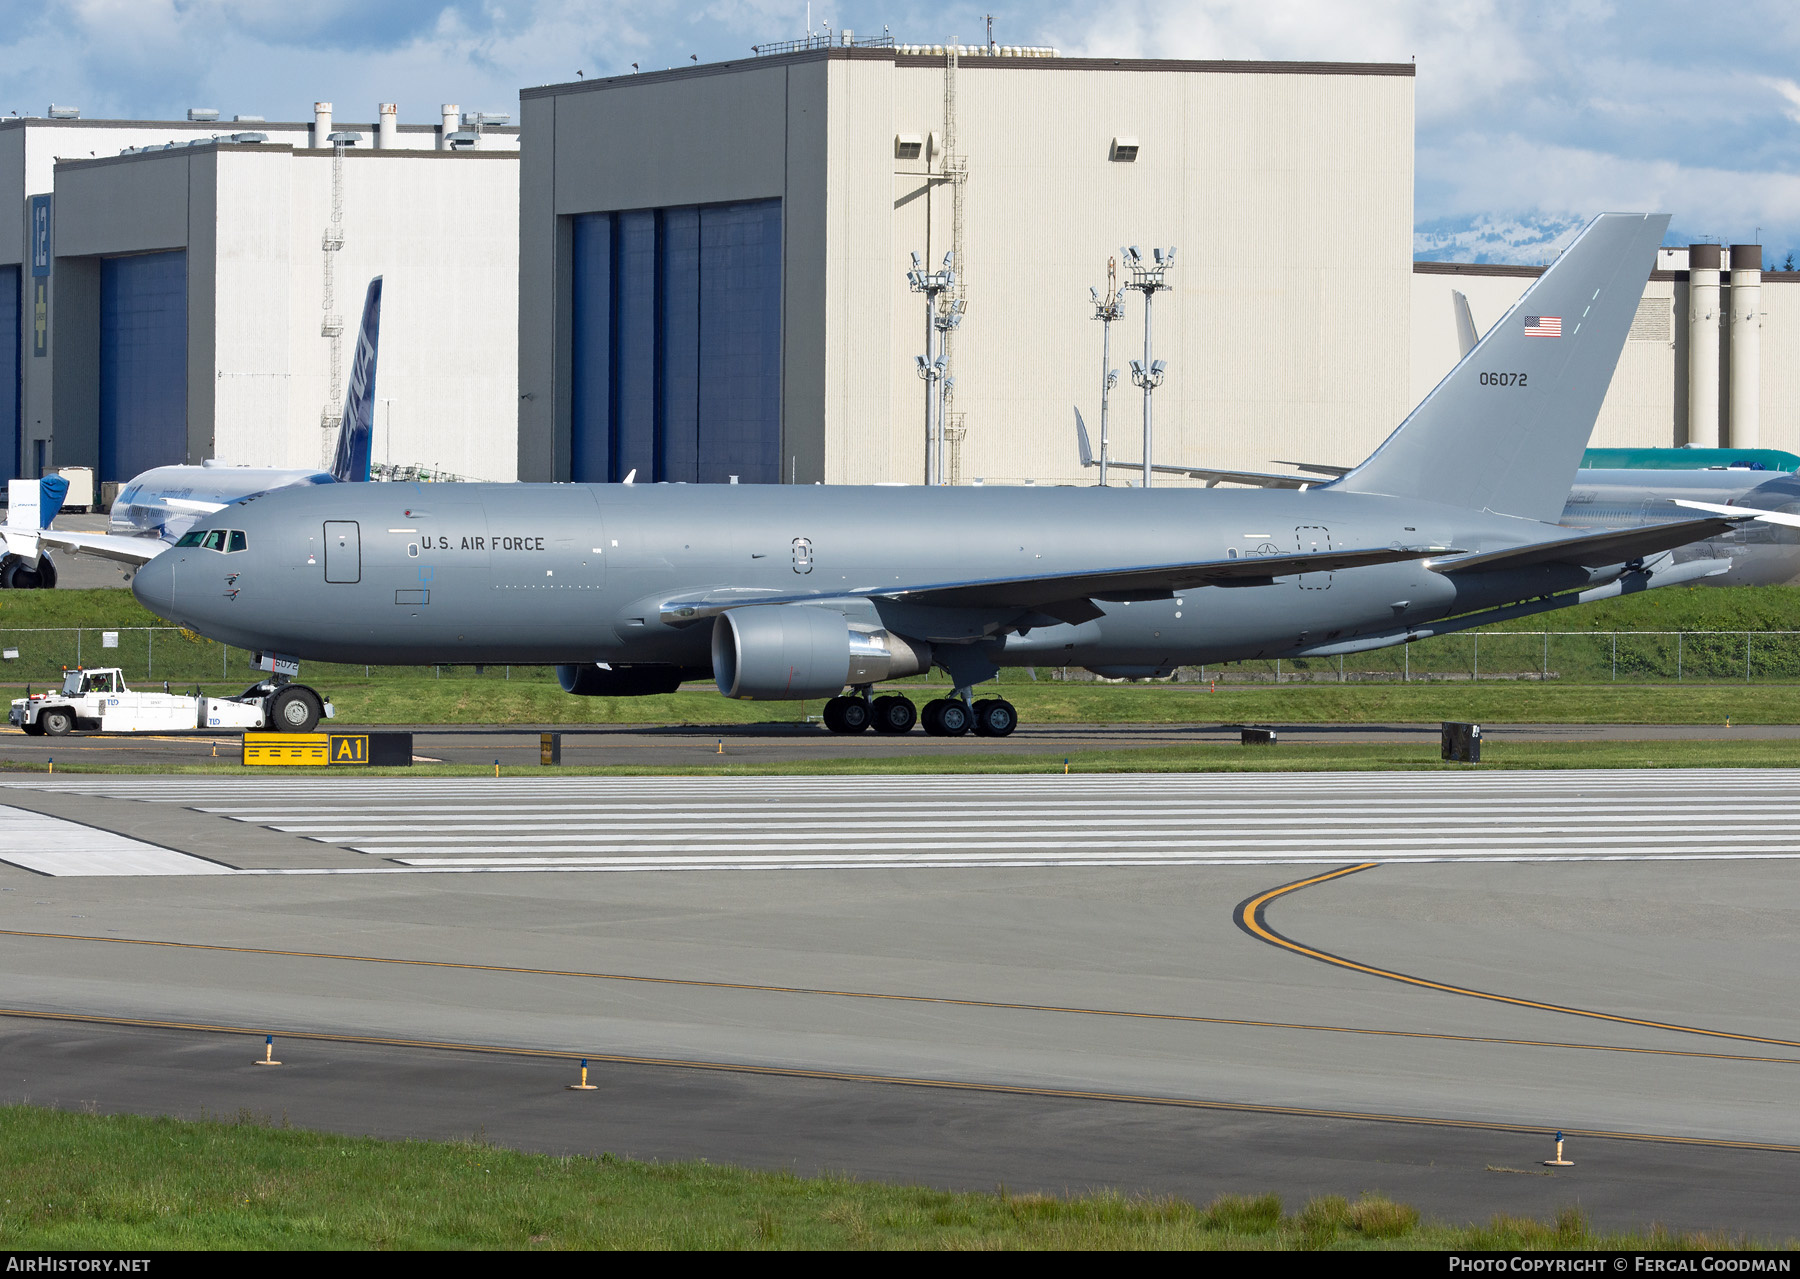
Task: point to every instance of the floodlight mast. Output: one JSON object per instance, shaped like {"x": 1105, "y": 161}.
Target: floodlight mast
{"x": 1106, "y": 310}
{"x": 930, "y": 365}
{"x": 1148, "y": 278}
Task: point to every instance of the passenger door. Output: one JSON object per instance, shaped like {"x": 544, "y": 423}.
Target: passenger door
{"x": 343, "y": 551}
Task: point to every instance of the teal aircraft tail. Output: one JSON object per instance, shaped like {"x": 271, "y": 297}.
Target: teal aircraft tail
{"x": 1505, "y": 429}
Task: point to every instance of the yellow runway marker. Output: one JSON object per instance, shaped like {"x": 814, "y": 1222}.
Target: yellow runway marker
{"x": 944, "y": 1000}
{"x": 961, "y": 1085}
{"x": 1249, "y": 917}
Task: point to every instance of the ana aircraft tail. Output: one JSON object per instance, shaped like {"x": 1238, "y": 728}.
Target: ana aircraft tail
{"x": 1505, "y": 429}
{"x": 356, "y": 432}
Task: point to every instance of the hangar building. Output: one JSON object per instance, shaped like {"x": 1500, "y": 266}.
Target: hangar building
{"x": 1693, "y": 370}
{"x": 713, "y": 260}
{"x": 165, "y": 297}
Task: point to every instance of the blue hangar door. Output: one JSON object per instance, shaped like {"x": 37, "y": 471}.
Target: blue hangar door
{"x": 143, "y": 363}
{"x": 11, "y": 342}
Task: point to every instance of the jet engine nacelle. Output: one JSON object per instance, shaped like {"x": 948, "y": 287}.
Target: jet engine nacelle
{"x": 786, "y": 652}
{"x": 591, "y": 680}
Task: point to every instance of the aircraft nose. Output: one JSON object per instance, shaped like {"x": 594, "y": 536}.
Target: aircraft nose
{"x": 154, "y": 585}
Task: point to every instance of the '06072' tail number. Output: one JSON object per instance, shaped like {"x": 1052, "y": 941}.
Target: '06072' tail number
{"x": 1503, "y": 379}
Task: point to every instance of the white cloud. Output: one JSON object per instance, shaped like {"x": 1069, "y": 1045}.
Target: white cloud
{"x": 1788, "y": 90}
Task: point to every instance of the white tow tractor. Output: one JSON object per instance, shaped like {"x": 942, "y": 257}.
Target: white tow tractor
{"x": 98, "y": 700}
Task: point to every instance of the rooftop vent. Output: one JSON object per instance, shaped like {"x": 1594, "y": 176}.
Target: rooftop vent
{"x": 64, "y": 113}
{"x": 1124, "y": 150}
{"x": 249, "y": 137}
{"x": 463, "y": 138}
{"x": 246, "y": 119}
{"x": 348, "y": 137}
{"x": 907, "y": 146}
{"x": 203, "y": 113}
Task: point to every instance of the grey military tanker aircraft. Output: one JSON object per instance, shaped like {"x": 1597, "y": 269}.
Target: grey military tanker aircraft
{"x": 803, "y": 592}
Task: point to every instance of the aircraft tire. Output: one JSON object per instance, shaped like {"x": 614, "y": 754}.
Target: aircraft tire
{"x": 56, "y": 723}
{"x": 995, "y": 717}
{"x": 946, "y": 717}
{"x": 294, "y": 710}
{"x": 855, "y": 715}
{"x": 847, "y": 715}
{"x": 894, "y": 715}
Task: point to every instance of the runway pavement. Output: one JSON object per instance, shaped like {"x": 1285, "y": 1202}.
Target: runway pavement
{"x": 1390, "y": 981}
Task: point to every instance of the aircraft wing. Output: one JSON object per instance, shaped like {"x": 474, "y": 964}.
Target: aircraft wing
{"x": 1596, "y": 549}
{"x": 1256, "y": 479}
{"x": 1051, "y": 591}
{"x": 1742, "y": 512}
{"x": 106, "y": 546}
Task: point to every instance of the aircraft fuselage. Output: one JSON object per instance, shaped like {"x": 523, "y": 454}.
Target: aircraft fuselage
{"x": 573, "y": 573}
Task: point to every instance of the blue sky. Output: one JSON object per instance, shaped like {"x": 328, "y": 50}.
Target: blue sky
{"x": 1530, "y": 116}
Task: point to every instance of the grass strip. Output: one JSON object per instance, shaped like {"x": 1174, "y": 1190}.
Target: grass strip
{"x": 1302, "y": 757}
{"x": 132, "y": 1183}
{"x": 539, "y": 701}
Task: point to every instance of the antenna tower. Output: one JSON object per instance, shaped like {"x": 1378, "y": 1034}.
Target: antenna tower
{"x": 954, "y": 166}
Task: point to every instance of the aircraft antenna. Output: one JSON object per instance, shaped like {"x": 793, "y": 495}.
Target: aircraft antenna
{"x": 331, "y": 327}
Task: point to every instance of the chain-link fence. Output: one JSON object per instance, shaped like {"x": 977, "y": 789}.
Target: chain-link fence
{"x": 1581, "y": 657}
{"x": 152, "y": 654}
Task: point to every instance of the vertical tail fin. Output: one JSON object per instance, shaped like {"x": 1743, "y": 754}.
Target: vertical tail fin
{"x": 32, "y": 504}
{"x": 1505, "y": 429}
{"x": 1466, "y": 336}
{"x": 357, "y": 430}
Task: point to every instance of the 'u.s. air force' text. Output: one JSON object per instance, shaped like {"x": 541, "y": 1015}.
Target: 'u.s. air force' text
{"x": 502, "y": 543}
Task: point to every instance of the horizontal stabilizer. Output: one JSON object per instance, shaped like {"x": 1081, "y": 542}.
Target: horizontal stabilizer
{"x": 1317, "y": 468}
{"x": 1212, "y": 475}
{"x": 1596, "y": 549}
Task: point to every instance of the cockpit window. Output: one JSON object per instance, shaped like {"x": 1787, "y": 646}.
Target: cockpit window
{"x": 215, "y": 540}
{"x": 238, "y": 541}
{"x": 191, "y": 539}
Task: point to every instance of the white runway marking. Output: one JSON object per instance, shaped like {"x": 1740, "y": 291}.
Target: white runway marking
{"x": 52, "y": 846}
{"x": 550, "y": 824}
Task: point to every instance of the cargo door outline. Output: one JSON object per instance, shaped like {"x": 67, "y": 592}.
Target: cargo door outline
{"x": 1309, "y": 539}
{"x": 343, "y": 551}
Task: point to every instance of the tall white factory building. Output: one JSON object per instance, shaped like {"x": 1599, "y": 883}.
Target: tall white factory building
{"x": 1709, "y": 360}
{"x": 713, "y": 262}
{"x": 171, "y": 297}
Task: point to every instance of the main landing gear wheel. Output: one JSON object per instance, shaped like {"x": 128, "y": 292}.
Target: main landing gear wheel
{"x": 847, "y": 715}
{"x": 294, "y": 710}
{"x": 995, "y": 717}
{"x": 946, "y": 717}
{"x": 894, "y": 715}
